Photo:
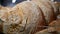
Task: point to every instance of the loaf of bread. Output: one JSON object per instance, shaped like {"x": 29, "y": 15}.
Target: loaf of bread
{"x": 24, "y": 18}
{"x": 49, "y": 30}
{"x": 56, "y": 25}
{"x": 47, "y": 9}
{"x": 57, "y": 4}
{"x": 28, "y": 17}
{"x": 3, "y": 15}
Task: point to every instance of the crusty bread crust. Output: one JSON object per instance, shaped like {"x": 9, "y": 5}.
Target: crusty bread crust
{"x": 24, "y": 17}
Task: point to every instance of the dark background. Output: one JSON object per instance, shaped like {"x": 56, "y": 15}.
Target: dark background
{"x": 9, "y": 2}
{"x": 57, "y": 0}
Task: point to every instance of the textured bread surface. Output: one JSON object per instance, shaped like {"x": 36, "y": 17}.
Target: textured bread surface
{"x": 56, "y": 25}
{"x": 30, "y": 17}
{"x": 47, "y": 9}
{"x": 49, "y": 30}
{"x": 23, "y": 18}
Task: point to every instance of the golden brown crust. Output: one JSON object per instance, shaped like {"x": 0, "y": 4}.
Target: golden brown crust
{"x": 46, "y": 8}
{"x": 55, "y": 24}
{"x": 29, "y": 17}
{"x": 49, "y": 30}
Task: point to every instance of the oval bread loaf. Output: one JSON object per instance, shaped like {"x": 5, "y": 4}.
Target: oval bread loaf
{"x": 56, "y": 25}
{"x": 3, "y": 11}
{"x": 23, "y": 18}
{"x": 47, "y": 9}
{"x": 49, "y": 30}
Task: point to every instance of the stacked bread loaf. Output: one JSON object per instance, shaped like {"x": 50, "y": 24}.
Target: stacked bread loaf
{"x": 54, "y": 24}
{"x": 48, "y": 8}
{"x": 28, "y": 17}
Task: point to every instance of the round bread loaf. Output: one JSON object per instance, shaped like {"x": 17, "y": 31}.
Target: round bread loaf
{"x": 3, "y": 13}
{"x": 47, "y": 9}
{"x": 56, "y": 25}
{"x": 49, "y": 30}
{"x": 24, "y": 18}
